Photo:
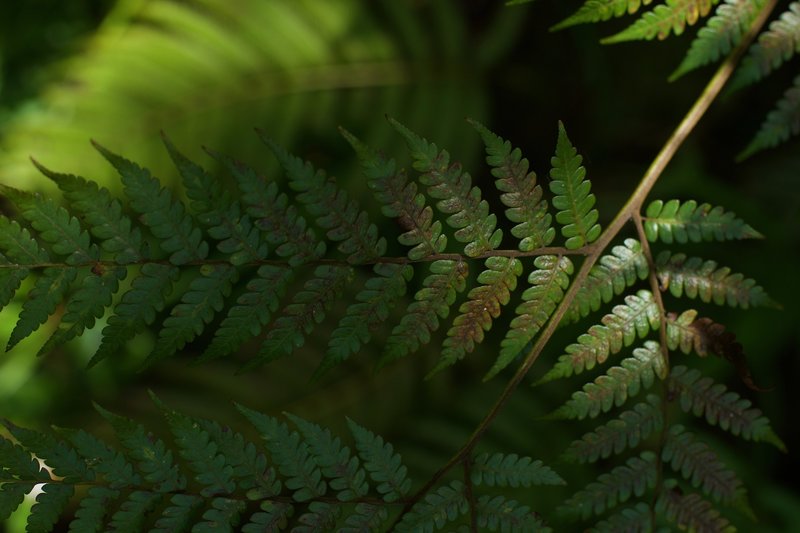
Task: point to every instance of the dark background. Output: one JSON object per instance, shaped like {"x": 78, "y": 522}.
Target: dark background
{"x": 207, "y": 72}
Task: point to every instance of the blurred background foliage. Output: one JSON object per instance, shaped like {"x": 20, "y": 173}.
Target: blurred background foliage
{"x": 207, "y": 72}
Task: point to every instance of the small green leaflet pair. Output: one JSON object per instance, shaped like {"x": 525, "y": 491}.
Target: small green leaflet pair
{"x": 213, "y": 479}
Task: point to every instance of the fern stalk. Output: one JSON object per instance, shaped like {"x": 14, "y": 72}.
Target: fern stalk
{"x": 595, "y": 249}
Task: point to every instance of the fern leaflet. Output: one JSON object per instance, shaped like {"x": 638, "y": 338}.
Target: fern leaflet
{"x": 671, "y": 17}
{"x": 781, "y": 123}
{"x": 573, "y": 199}
{"x": 720, "y": 35}
{"x": 599, "y": 10}
{"x": 674, "y": 221}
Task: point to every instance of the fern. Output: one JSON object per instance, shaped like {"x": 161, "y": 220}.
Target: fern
{"x": 599, "y": 10}
{"x": 781, "y": 123}
{"x": 674, "y": 221}
{"x": 721, "y": 34}
{"x": 671, "y": 17}
{"x": 306, "y": 480}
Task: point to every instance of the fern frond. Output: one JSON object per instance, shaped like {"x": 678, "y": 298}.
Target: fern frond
{"x": 619, "y": 434}
{"x": 400, "y": 199}
{"x": 521, "y": 195}
{"x": 19, "y": 249}
{"x": 132, "y": 513}
{"x": 381, "y": 461}
{"x": 781, "y": 123}
{"x": 698, "y": 464}
{"x": 102, "y": 214}
{"x": 321, "y": 516}
{"x": 137, "y": 308}
{"x": 483, "y": 305}
{"x": 614, "y": 487}
{"x": 446, "y": 182}
{"x": 610, "y": 276}
{"x": 334, "y": 460}
{"x": 107, "y": 462}
{"x": 670, "y": 17}
{"x": 47, "y": 292}
{"x": 49, "y": 504}
{"x": 333, "y": 209}
{"x": 166, "y": 218}
{"x": 775, "y": 46}
{"x": 151, "y": 457}
{"x": 379, "y": 295}
{"x": 617, "y": 385}
{"x": 573, "y": 198}
{"x": 630, "y": 520}
{"x": 720, "y": 407}
{"x": 273, "y": 516}
{"x": 511, "y": 471}
{"x": 548, "y": 283}
{"x": 684, "y": 222}
{"x": 65, "y": 461}
{"x": 91, "y": 514}
{"x": 600, "y": 10}
{"x": 438, "y": 508}
{"x": 498, "y": 513}
{"x": 691, "y": 511}
{"x": 693, "y": 277}
{"x": 290, "y": 454}
{"x": 720, "y": 35}
{"x": 446, "y": 279}
{"x": 620, "y": 328}
{"x": 203, "y": 299}
{"x": 308, "y": 307}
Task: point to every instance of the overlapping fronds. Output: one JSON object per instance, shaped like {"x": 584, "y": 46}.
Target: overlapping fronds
{"x": 212, "y": 478}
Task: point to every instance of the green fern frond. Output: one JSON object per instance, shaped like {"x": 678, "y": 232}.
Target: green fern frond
{"x": 137, "y": 308}
{"x": 599, "y": 10}
{"x": 511, "y": 471}
{"x": 674, "y": 221}
{"x": 548, "y": 283}
{"x": 691, "y": 511}
{"x": 16, "y": 247}
{"x": 615, "y": 436}
{"x": 382, "y": 462}
{"x": 617, "y": 385}
{"x": 446, "y": 182}
{"x": 308, "y": 307}
{"x": 166, "y": 218}
{"x": 775, "y": 46}
{"x": 520, "y": 192}
{"x": 670, "y": 17}
{"x": 498, "y": 513}
{"x": 333, "y": 209}
{"x": 447, "y": 278}
{"x": 781, "y": 123}
{"x": 334, "y": 460}
{"x": 693, "y": 277}
{"x": 400, "y": 199}
{"x": 291, "y": 456}
{"x": 698, "y": 464}
{"x": 636, "y": 318}
{"x": 437, "y": 509}
{"x": 379, "y": 295}
{"x": 484, "y": 304}
{"x": 720, "y": 35}
{"x": 573, "y": 198}
{"x": 720, "y": 407}
{"x": 609, "y": 277}
{"x": 614, "y": 487}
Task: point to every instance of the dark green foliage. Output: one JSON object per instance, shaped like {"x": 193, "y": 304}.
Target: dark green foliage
{"x": 670, "y": 17}
{"x": 210, "y": 478}
{"x": 243, "y": 260}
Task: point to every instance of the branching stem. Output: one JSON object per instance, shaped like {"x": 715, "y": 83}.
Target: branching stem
{"x": 630, "y": 210}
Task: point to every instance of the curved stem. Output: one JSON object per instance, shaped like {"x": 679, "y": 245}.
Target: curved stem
{"x": 631, "y": 208}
